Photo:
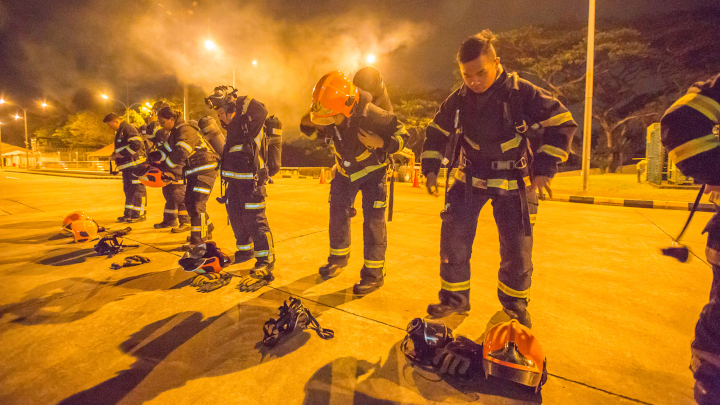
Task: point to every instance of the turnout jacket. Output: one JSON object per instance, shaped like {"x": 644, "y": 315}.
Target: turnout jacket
{"x": 185, "y": 149}
{"x": 241, "y": 157}
{"x": 129, "y": 146}
{"x": 689, "y": 134}
{"x": 493, "y": 148}
{"x": 353, "y": 158}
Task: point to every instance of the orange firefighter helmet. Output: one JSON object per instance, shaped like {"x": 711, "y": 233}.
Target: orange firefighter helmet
{"x": 153, "y": 178}
{"x": 511, "y": 352}
{"x": 75, "y": 216}
{"x": 84, "y": 230}
{"x": 206, "y": 258}
{"x": 333, "y": 94}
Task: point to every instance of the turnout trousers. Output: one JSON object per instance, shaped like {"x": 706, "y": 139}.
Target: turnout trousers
{"x": 174, "y": 194}
{"x": 374, "y": 201}
{"x": 705, "y": 347}
{"x": 197, "y": 193}
{"x": 459, "y": 224}
{"x": 245, "y": 206}
{"x": 135, "y": 194}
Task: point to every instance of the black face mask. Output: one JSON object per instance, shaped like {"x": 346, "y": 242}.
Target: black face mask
{"x": 223, "y": 125}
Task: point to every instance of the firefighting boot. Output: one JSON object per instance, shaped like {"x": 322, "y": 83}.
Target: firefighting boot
{"x": 166, "y": 224}
{"x": 260, "y": 276}
{"x": 210, "y": 229}
{"x": 133, "y": 220}
{"x": 442, "y": 310}
{"x": 368, "y": 285}
{"x": 330, "y": 270}
{"x": 183, "y": 227}
{"x": 241, "y": 256}
{"x": 122, "y": 218}
{"x": 522, "y": 316}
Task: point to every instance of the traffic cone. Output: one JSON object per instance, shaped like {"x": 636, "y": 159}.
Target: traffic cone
{"x": 322, "y": 176}
{"x": 416, "y": 182}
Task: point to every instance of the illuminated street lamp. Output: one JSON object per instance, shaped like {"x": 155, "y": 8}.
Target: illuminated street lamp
{"x": 127, "y": 108}
{"x": 370, "y": 58}
{"x": 24, "y": 117}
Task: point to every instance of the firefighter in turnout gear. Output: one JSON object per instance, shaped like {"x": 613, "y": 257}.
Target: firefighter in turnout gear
{"x": 129, "y": 154}
{"x": 175, "y": 215}
{"x": 690, "y": 134}
{"x": 502, "y": 132}
{"x": 188, "y": 153}
{"x": 362, "y": 135}
{"x": 245, "y": 172}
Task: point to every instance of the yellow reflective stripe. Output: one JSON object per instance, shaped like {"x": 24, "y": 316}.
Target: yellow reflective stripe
{"x": 143, "y": 204}
{"x": 513, "y": 293}
{"x": 236, "y": 148}
{"x": 118, "y": 150}
{"x": 245, "y": 247}
{"x": 131, "y": 164}
{"x": 557, "y": 120}
{"x": 164, "y": 156}
{"x": 240, "y": 176}
{"x": 380, "y": 204}
{"x": 374, "y": 264}
{"x": 471, "y": 143}
{"x": 398, "y": 135}
{"x": 431, "y": 154}
{"x": 246, "y": 104}
{"x": 461, "y": 286}
{"x": 364, "y": 155}
{"x": 171, "y": 211}
{"x": 167, "y": 146}
{"x": 513, "y": 143}
{"x": 703, "y": 104}
{"x": 365, "y": 171}
{"x": 201, "y": 190}
{"x": 135, "y": 138}
{"x": 170, "y": 163}
{"x": 184, "y": 145}
{"x": 156, "y": 129}
{"x": 182, "y": 212}
{"x": 262, "y": 162}
{"x": 196, "y": 229}
{"x": 262, "y": 253}
{"x": 340, "y": 252}
{"x": 129, "y": 207}
{"x": 554, "y": 151}
{"x": 135, "y": 181}
{"x": 504, "y": 184}
{"x": 276, "y": 131}
{"x": 533, "y": 218}
{"x": 201, "y": 168}
{"x": 432, "y": 124}
{"x": 254, "y": 206}
{"x": 694, "y": 147}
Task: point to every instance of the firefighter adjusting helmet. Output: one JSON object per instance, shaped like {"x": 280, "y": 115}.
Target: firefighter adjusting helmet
{"x": 511, "y": 352}
{"x": 84, "y": 230}
{"x": 222, "y": 97}
{"x": 333, "y": 94}
{"x": 153, "y": 178}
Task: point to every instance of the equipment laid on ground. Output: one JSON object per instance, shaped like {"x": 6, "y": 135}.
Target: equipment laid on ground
{"x": 678, "y": 251}
{"x": 81, "y": 226}
{"x": 112, "y": 244}
{"x": 130, "y": 261}
{"x": 510, "y": 351}
{"x": 208, "y": 260}
{"x": 292, "y": 316}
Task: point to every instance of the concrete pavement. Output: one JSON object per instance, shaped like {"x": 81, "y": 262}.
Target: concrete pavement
{"x": 615, "y": 318}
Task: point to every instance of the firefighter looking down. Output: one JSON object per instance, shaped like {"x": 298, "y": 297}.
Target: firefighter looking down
{"x": 245, "y": 172}
{"x": 689, "y": 133}
{"x": 187, "y": 152}
{"x": 362, "y": 135}
{"x": 484, "y": 127}
{"x": 129, "y": 154}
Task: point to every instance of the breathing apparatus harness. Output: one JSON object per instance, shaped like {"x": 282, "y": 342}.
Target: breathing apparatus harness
{"x": 292, "y": 315}
{"x": 112, "y": 244}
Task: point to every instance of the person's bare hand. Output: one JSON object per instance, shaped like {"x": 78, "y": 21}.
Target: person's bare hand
{"x": 542, "y": 183}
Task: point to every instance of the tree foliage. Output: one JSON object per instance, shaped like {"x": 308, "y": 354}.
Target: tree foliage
{"x": 85, "y": 130}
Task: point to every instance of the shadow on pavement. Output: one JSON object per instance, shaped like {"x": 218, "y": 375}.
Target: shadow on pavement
{"x": 186, "y": 347}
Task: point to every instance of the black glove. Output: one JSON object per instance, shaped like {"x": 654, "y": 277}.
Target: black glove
{"x": 155, "y": 157}
{"x": 431, "y": 184}
{"x": 461, "y": 357}
{"x": 167, "y": 176}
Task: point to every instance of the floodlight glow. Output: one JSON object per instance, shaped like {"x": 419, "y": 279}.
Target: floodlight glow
{"x": 148, "y": 105}
{"x": 370, "y": 58}
{"x": 254, "y": 63}
{"x": 2, "y": 101}
{"x": 104, "y": 96}
{"x": 17, "y": 117}
{"x": 43, "y": 105}
{"x": 210, "y": 45}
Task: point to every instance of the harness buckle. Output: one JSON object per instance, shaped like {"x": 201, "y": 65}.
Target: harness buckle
{"x": 521, "y": 164}
{"x": 521, "y": 128}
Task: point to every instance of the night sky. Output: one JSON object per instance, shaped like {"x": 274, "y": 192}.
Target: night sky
{"x": 54, "y": 48}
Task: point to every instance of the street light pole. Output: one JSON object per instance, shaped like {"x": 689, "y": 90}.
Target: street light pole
{"x": 2, "y": 159}
{"x": 587, "y": 127}
{"x": 27, "y": 145}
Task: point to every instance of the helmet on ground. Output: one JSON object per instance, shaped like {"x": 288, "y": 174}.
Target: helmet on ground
{"x": 75, "y": 216}
{"x": 222, "y": 97}
{"x": 511, "y": 352}
{"x": 333, "y": 94}
{"x": 206, "y": 258}
{"x": 153, "y": 178}
{"x": 84, "y": 230}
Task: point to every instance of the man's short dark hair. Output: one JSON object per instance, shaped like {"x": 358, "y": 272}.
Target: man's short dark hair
{"x": 111, "y": 117}
{"x": 476, "y": 45}
{"x": 168, "y": 112}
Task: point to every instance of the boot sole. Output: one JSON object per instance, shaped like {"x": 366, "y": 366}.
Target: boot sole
{"x": 363, "y": 293}
{"x": 459, "y": 311}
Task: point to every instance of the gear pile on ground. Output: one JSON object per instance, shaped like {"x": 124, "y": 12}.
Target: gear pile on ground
{"x": 208, "y": 261}
{"x": 292, "y": 316}
{"x": 130, "y": 261}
